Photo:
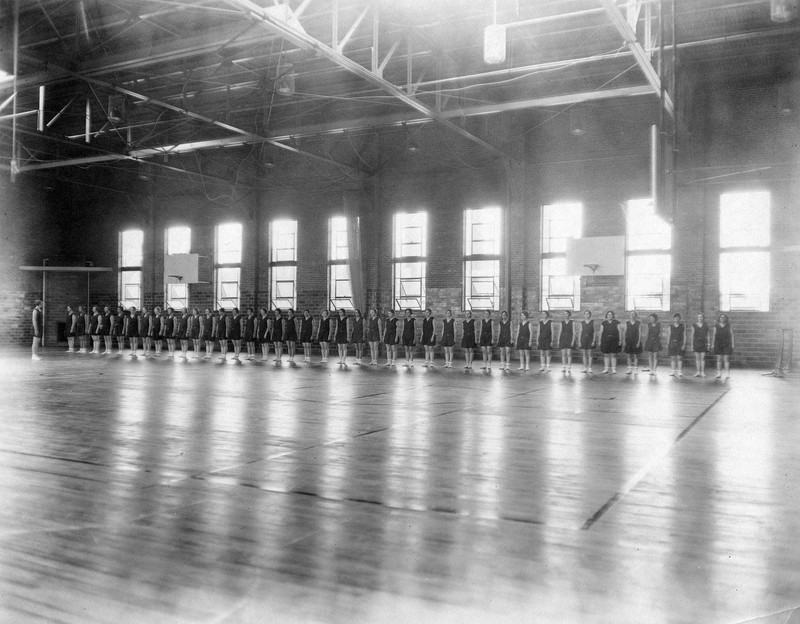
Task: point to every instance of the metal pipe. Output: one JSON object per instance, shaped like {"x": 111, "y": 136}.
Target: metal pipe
{"x": 40, "y": 118}
{"x": 14, "y": 145}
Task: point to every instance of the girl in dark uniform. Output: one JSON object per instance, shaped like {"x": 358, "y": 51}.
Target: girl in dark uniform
{"x": 206, "y": 327}
{"x": 277, "y": 334}
{"x": 700, "y": 344}
{"x": 37, "y": 320}
{"x": 194, "y": 330}
{"x": 132, "y": 330}
{"x": 341, "y": 336}
{"x": 468, "y": 339}
{"x": 390, "y": 338}
{"x": 486, "y": 339}
{"x": 373, "y": 335}
{"x": 504, "y": 341}
{"x": 306, "y": 334}
{"x": 183, "y": 333}
{"x": 158, "y": 330}
{"x": 409, "y": 337}
{"x": 633, "y": 342}
{"x": 80, "y": 329}
{"x": 71, "y": 321}
{"x": 587, "y": 340}
{"x": 171, "y": 329}
{"x": 428, "y": 338}
{"x": 357, "y": 335}
{"x": 290, "y": 334}
{"x": 324, "y": 335}
{"x": 653, "y": 342}
{"x": 544, "y": 341}
{"x": 235, "y": 332}
{"x": 676, "y": 346}
{"x": 566, "y": 341}
{"x": 144, "y": 330}
{"x": 610, "y": 342}
{"x": 94, "y": 324}
{"x": 723, "y": 345}
{"x": 250, "y": 329}
{"x": 524, "y": 341}
{"x": 263, "y": 332}
{"x": 107, "y": 339}
{"x": 448, "y": 338}
{"x": 119, "y": 330}
{"x": 220, "y": 331}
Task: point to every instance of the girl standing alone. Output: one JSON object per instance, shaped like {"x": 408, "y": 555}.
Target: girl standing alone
{"x": 544, "y": 341}
{"x": 610, "y": 342}
{"x": 468, "y": 339}
{"x": 723, "y": 345}
{"x": 653, "y": 342}
{"x": 448, "y": 338}
{"x": 700, "y": 344}
{"x": 676, "y": 345}
{"x": 409, "y": 337}
{"x": 428, "y": 339}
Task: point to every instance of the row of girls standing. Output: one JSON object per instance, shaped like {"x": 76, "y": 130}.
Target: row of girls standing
{"x": 264, "y": 328}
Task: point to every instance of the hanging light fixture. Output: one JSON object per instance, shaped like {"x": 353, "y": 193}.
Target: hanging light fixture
{"x": 412, "y": 147}
{"x": 494, "y": 41}
{"x": 577, "y": 121}
{"x": 116, "y": 108}
{"x": 783, "y": 11}
{"x": 285, "y": 80}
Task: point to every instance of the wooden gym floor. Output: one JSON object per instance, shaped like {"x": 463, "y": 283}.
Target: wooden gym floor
{"x": 136, "y": 490}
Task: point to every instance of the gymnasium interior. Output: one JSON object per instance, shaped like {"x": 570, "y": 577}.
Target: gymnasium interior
{"x": 458, "y": 155}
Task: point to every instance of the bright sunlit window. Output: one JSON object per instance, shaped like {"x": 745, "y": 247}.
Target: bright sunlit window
{"x": 744, "y": 263}
{"x": 228, "y": 264}
{"x": 482, "y": 239}
{"x": 560, "y": 222}
{"x": 340, "y": 286}
{"x": 283, "y": 265}
{"x": 647, "y": 267}
{"x": 131, "y": 252}
{"x": 409, "y": 258}
{"x": 178, "y": 241}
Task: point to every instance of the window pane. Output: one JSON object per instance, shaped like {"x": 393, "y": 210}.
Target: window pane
{"x": 409, "y": 285}
{"x": 410, "y": 232}
{"x": 559, "y": 290}
{"x": 179, "y": 240}
{"x": 284, "y": 286}
{"x": 283, "y": 240}
{"x": 483, "y": 230}
{"x": 131, "y": 243}
{"x": 340, "y": 285}
{"x": 744, "y": 281}
{"x": 228, "y": 287}
{"x": 337, "y": 249}
{"x": 130, "y": 288}
{"x": 648, "y": 282}
{"x": 644, "y": 228}
{"x": 744, "y": 219}
{"x": 559, "y": 222}
{"x": 177, "y": 296}
{"x": 229, "y": 243}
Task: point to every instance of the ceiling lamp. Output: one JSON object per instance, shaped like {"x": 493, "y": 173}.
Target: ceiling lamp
{"x": 116, "y": 108}
{"x": 494, "y": 44}
{"x": 494, "y": 41}
{"x": 782, "y": 11}
{"x": 284, "y": 82}
{"x": 577, "y": 122}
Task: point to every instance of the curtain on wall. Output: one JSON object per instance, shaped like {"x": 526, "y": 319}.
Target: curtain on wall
{"x": 353, "y": 201}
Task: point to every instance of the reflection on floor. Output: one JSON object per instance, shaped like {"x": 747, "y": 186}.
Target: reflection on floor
{"x": 137, "y": 490}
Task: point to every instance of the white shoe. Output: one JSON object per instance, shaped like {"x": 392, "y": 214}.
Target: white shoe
{"x": 521, "y": 368}
{"x": 605, "y": 371}
{"x": 527, "y": 368}
{"x": 613, "y": 371}
{"x": 727, "y": 375}
{"x": 35, "y": 358}
{"x": 719, "y": 375}
{"x": 702, "y": 374}
{"x": 680, "y": 374}
{"x": 563, "y": 369}
{"x": 696, "y": 374}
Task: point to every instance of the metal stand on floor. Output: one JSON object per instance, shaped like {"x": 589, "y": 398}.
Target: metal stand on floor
{"x": 784, "y": 362}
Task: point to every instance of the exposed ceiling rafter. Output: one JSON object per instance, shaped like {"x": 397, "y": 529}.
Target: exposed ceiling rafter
{"x": 316, "y": 47}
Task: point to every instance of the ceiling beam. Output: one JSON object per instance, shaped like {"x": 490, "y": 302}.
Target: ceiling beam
{"x": 243, "y": 135}
{"x": 629, "y": 36}
{"x": 364, "y": 123}
{"x": 317, "y": 48}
